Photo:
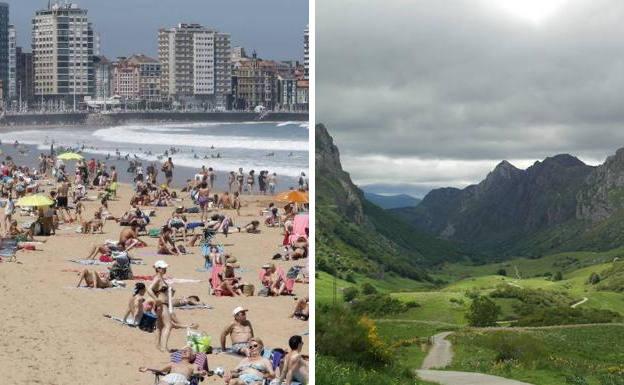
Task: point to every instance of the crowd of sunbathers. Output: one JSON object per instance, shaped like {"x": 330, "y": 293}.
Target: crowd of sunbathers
{"x": 151, "y": 306}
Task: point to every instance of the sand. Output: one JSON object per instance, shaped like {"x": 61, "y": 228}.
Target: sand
{"x": 52, "y": 333}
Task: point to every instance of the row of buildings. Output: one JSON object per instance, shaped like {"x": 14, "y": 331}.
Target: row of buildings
{"x": 196, "y": 67}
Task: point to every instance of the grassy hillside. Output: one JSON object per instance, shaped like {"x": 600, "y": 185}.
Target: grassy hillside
{"x": 582, "y": 355}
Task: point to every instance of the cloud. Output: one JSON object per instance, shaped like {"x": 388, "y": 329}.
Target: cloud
{"x": 463, "y": 83}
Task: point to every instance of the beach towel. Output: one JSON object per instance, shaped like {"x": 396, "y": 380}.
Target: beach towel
{"x": 8, "y": 247}
{"x": 201, "y": 360}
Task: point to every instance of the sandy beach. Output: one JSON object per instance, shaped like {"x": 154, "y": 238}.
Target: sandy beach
{"x": 53, "y": 333}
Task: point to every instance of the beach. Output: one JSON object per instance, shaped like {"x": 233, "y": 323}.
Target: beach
{"x": 54, "y": 333}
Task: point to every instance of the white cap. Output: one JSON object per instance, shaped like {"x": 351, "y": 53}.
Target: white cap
{"x": 238, "y": 310}
{"x": 161, "y": 264}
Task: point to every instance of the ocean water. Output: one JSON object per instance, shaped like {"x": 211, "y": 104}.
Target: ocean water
{"x": 280, "y": 147}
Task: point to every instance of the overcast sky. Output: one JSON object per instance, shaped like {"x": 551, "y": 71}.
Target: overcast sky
{"x": 422, "y": 94}
{"x": 274, "y": 28}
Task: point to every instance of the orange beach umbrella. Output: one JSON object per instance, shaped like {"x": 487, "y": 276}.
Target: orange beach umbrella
{"x": 292, "y": 196}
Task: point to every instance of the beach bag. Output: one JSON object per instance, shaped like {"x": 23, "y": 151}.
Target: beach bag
{"x": 148, "y": 322}
{"x": 264, "y": 292}
{"x": 293, "y": 272}
{"x": 198, "y": 341}
{"x": 248, "y": 290}
{"x": 120, "y": 272}
{"x": 154, "y": 233}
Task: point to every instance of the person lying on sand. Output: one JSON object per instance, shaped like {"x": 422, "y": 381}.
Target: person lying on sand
{"x": 296, "y": 365}
{"x": 178, "y": 373}
{"x": 252, "y": 370}
{"x": 128, "y": 239}
{"x": 191, "y": 300}
{"x": 240, "y": 332}
{"x": 251, "y": 227}
{"x": 92, "y": 279}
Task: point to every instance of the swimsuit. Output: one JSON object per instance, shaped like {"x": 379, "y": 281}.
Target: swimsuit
{"x": 175, "y": 379}
{"x": 239, "y": 346}
{"x": 250, "y": 379}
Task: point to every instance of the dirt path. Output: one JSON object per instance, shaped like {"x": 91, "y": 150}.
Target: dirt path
{"x": 585, "y": 299}
{"x": 444, "y": 377}
{"x": 440, "y": 355}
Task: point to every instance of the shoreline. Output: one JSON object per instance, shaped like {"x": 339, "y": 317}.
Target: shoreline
{"x": 96, "y": 119}
{"x": 180, "y": 175}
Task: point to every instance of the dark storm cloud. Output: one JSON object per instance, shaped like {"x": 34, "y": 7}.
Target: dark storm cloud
{"x": 444, "y": 81}
{"x": 272, "y": 27}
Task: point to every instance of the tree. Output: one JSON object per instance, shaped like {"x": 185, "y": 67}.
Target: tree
{"x": 594, "y": 278}
{"x": 558, "y": 276}
{"x": 350, "y": 293}
{"x": 502, "y": 272}
{"x": 483, "y": 312}
{"x": 368, "y": 289}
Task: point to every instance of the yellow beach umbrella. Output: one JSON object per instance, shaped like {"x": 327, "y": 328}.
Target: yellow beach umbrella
{"x": 35, "y": 201}
{"x": 70, "y": 156}
{"x": 292, "y": 196}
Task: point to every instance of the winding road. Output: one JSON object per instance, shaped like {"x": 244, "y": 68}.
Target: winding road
{"x": 441, "y": 355}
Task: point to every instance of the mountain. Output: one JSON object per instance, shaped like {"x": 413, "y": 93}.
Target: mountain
{"x": 392, "y": 201}
{"x": 510, "y": 205}
{"x": 355, "y": 235}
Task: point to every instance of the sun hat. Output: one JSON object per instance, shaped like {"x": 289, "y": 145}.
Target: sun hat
{"x": 161, "y": 264}
{"x": 238, "y": 310}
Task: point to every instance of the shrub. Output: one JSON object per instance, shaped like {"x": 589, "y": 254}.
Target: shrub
{"x": 483, "y": 312}
{"x": 349, "y": 337}
{"x": 368, "y": 289}
{"x": 558, "y": 276}
{"x": 515, "y": 347}
{"x": 565, "y": 315}
{"x": 594, "y": 279}
{"x": 350, "y": 293}
{"x": 381, "y": 304}
{"x": 349, "y": 277}
{"x": 502, "y": 272}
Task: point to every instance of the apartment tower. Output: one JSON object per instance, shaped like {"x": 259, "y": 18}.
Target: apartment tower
{"x": 62, "y": 45}
{"x": 195, "y": 63}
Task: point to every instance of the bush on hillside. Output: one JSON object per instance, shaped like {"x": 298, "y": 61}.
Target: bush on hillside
{"x": 565, "y": 315}
{"x": 483, "y": 312}
{"x": 532, "y": 298}
{"x": 502, "y": 272}
{"x": 558, "y": 276}
{"x": 350, "y": 293}
{"x": 349, "y": 337}
{"x": 514, "y": 347}
{"x": 594, "y": 279}
{"x": 381, "y": 304}
{"x": 368, "y": 289}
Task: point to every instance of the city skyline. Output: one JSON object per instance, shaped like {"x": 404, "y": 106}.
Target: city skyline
{"x": 279, "y": 36}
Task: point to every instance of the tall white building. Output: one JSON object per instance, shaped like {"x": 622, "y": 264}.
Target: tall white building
{"x": 62, "y": 44}
{"x": 306, "y": 52}
{"x": 195, "y": 63}
{"x": 12, "y": 62}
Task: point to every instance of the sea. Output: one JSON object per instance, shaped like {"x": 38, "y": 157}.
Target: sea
{"x": 279, "y": 147}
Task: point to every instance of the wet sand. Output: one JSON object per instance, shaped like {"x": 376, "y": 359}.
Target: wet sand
{"x": 53, "y": 333}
